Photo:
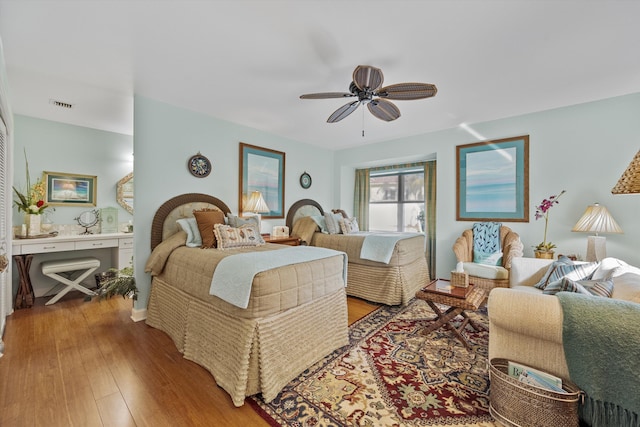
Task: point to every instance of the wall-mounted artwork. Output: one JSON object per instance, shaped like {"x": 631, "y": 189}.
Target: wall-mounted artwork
{"x": 68, "y": 189}
{"x": 262, "y": 169}
{"x": 493, "y": 180}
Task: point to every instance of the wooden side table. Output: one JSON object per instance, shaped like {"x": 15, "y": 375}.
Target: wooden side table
{"x": 441, "y": 291}
{"x": 287, "y": 240}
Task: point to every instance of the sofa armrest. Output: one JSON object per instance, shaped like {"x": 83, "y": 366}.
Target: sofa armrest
{"x": 527, "y": 271}
{"x": 527, "y": 328}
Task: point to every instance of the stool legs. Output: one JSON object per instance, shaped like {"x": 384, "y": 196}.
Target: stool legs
{"x": 71, "y": 285}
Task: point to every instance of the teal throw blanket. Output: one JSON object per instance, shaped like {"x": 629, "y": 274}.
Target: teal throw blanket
{"x": 486, "y": 237}
{"x": 601, "y": 338}
{"x": 233, "y": 276}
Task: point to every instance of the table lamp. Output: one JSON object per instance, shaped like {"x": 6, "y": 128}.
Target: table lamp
{"x": 257, "y": 206}
{"x": 596, "y": 219}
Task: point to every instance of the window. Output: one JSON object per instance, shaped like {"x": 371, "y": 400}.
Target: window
{"x": 396, "y": 201}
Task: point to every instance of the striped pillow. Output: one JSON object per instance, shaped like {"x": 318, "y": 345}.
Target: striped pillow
{"x": 574, "y": 272}
{"x": 599, "y": 288}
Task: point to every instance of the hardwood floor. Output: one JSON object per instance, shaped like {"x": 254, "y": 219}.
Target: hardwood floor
{"x": 78, "y": 363}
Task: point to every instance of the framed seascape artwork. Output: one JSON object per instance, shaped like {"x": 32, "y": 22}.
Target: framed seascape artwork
{"x": 492, "y": 180}
{"x": 262, "y": 169}
{"x": 68, "y": 189}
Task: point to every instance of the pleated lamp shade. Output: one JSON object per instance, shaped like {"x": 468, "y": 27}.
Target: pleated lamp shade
{"x": 596, "y": 219}
{"x": 629, "y": 182}
{"x": 256, "y": 203}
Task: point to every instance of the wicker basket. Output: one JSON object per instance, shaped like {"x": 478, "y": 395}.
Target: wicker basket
{"x": 514, "y": 403}
{"x": 461, "y": 280}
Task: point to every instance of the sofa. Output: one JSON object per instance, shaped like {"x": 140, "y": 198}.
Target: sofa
{"x": 526, "y": 325}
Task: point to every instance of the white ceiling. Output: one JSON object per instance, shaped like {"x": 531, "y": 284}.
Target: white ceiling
{"x": 247, "y": 62}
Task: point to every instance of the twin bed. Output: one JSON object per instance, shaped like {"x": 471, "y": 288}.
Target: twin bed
{"x": 296, "y": 313}
{"x": 391, "y": 281}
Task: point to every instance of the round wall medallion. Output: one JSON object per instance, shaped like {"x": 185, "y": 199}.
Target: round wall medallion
{"x": 305, "y": 180}
{"x": 199, "y": 166}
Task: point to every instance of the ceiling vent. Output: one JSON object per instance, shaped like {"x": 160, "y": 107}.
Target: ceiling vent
{"x": 61, "y": 104}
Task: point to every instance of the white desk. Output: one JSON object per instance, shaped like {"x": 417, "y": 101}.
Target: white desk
{"x": 121, "y": 245}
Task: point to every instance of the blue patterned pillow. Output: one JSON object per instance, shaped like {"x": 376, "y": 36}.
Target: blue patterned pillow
{"x": 600, "y": 288}
{"x": 562, "y": 260}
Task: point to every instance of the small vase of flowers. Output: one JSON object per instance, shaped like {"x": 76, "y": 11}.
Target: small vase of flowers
{"x": 544, "y": 249}
{"x": 31, "y": 202}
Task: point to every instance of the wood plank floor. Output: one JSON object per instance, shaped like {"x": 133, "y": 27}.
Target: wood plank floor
{"x": 79, "y": 363}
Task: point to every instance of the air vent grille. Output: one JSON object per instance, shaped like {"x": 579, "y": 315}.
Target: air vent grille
{"x": 61, "y": 104}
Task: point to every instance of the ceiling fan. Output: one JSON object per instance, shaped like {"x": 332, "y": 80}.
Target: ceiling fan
{"x": 366, "y": 86}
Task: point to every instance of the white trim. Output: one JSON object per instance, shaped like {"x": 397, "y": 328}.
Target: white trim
{"x": 138, "y": 314}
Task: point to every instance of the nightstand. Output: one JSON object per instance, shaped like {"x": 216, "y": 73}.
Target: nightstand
{"x": 289, "y": 240}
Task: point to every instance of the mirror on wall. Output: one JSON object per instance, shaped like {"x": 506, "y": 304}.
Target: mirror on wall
{"x": 124, "y": 192}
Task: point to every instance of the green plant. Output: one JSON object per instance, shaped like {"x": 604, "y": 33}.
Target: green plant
{"x": 31, "y": 201}
{"x": 542, "y": 211}
{"x": 121, "y": 283}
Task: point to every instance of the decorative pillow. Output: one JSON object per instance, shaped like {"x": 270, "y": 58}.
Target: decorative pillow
{"x": 600, "y": 288}
{"x": 190, "y": 226}
{"x": 575, "y": 272}
{"x": 207, "y": 219}
{"x": 245, "y": 236}
{"x": 562, "y": 260}
{"x": 331, "y": 220}
{"x": 349, "y": 225}
{"x": 487, "y": 258}
{"x": 236, "y": 221}
{"x": 319, "y": 219}
{"x": 304, "y": 228}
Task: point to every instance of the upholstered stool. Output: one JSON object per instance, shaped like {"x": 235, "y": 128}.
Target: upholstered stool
{"x": 53, "y": 269}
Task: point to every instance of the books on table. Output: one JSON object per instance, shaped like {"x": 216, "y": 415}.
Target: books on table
{"x": 535, "y": 377}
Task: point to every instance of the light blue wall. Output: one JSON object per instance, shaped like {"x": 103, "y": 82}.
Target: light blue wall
{"x": 58, "y": 147}
{"x": 167, "y": 136}
{"x": 582, "y": 149}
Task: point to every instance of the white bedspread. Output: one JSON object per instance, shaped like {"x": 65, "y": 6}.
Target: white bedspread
{"x": 233, "y": 276}
{"x": 379, "y": 246}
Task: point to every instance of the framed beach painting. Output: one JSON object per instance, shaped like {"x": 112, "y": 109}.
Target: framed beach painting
{"x": 262, "y": 169}
{"x": 69, "y": 189}
{"x": 492, "y": 180}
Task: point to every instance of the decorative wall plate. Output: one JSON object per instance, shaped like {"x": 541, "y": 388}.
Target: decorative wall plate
{"x": 305, "y": 180}
{"x": 199, "y": 166}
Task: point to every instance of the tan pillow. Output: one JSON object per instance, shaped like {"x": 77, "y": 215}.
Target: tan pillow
{"x": 349, "y": 225}
{"x": 304, "y": 229}
{"x": 244, "y": 236}
{"x": 207, "y": 219}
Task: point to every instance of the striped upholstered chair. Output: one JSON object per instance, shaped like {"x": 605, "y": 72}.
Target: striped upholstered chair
{"x": 481, "y": 272}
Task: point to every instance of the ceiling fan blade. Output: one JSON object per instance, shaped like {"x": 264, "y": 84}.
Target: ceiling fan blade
{"x": 408, "y": 91}
{"x": 343, "y": 112}
{"x": 366, "y": 76}
{"x": 384, "y": 110}
{"x": 326, "y": 95}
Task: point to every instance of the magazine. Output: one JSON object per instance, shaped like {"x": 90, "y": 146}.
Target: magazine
{"x": 535, "y": 377}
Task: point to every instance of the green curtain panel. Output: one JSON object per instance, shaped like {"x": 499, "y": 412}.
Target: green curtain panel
{"x": 361, "y": 198}
{"x": 430, "y": 215}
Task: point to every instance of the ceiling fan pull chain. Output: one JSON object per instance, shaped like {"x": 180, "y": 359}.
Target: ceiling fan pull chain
{"x": 363, "y": 122}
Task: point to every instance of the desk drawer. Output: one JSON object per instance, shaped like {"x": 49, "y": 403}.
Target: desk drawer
{"x": 97, "y": 244}
{"x": 126, "y": 243}
{"x": 39, "y": 248}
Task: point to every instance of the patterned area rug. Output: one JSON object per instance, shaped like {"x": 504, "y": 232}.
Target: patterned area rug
{"x": 391, "y": 375}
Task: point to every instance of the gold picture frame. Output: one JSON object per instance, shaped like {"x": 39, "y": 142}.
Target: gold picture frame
{"x": 70, "y": 189}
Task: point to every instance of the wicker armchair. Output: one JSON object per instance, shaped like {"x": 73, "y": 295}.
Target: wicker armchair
{"x": 484, "y": 276}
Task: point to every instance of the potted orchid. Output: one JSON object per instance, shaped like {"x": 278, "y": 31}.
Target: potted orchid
{"x": 31, "y": 202}
{"x": 544, "y": 249}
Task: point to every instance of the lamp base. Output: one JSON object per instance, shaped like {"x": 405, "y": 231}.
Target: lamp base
{"x": 596, "y": 248}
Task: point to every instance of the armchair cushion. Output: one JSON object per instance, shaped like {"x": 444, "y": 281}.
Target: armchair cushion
{"x": 494, "y": 272}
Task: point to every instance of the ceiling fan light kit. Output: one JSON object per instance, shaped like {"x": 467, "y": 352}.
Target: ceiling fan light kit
{"x": 367, "y": 84}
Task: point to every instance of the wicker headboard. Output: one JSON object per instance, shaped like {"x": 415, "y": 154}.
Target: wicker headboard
{"x": 182, "y": 206}
{"x": 304, "y": 207}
